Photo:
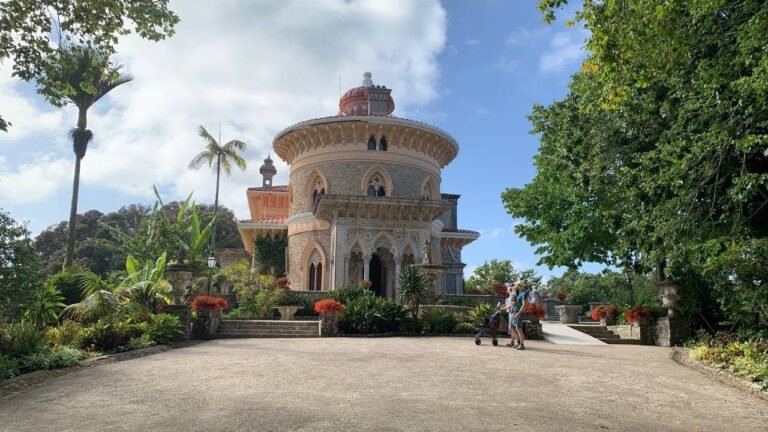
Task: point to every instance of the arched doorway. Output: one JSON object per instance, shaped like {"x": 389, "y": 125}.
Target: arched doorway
{"x": 376, "y": 274}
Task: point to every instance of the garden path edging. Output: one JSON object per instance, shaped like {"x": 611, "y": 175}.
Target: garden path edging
{"x": 682, "y": 356}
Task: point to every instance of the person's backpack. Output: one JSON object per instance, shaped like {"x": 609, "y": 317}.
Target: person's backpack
{"x": 534, "y": 297}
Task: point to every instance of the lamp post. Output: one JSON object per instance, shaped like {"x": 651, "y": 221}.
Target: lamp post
{"x": 630, "y": 274}
{"x": 211, "y": 266}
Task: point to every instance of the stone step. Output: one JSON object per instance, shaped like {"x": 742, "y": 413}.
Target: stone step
{"x": 619, "y": 341}
{"x": 258, "y": 335}
{"x": 268, "y": 331}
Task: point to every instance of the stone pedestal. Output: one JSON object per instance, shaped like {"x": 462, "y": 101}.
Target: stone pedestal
{"x": 672, "y": 331}
{"x": 569, "y": 314}
{"x": 329, "y": 324}
{"x": 647, "y": 331}
{"x": 532, "y": 330}
{"x": 180, "y": 279}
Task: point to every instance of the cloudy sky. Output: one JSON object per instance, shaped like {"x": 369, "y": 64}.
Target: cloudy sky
{"x": 472, "y": 68}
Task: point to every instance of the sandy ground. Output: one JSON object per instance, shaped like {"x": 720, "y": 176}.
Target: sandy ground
{"x": 386, "y": 384}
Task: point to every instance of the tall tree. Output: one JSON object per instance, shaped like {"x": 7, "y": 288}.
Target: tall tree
{"x": 498, "y": 271}
{"x": 32, "y": 32}
{"x": 90, "y": 76}
{"x": 19, "y": 266}
{"x": 223, "y": 156}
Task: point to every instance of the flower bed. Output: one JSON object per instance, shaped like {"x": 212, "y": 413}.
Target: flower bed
{"x": 744, "y": 358}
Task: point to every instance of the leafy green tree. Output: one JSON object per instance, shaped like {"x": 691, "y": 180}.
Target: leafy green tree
{"x": 19, "y": 266}
{"x": 412, "y": 289}
{"x": 656, "y": 159}
{"x": 33, "y": 34}
{"x": 89, "y": 76}
{"x": 500, "y": 272}
{"x": 270, "y": 254}
{"x": 219, "y": 157}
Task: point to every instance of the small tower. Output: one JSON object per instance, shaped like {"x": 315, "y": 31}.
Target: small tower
{"x": 268, "y": 171}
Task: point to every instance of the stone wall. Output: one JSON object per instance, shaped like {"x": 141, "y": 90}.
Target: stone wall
{"x": 626, "y": 331}
{"x": 296, "y": 269}
{"x": 346, "y": 178}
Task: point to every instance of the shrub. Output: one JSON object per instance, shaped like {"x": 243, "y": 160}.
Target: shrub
{"x": 370, "y": 314}
{"x": 348, "y": 293}
{"x": 480, "y": 312}
{"x": 208, "y": 303}
{"x": 68, "y": 333}
{"x": 438, "y": 321}
{"x": 499, "y": 289}
{"x": 637, "y": 313}
{"x": 44, "y": 306}
{"x": 9, "y": 367}
{"x": 464, "y": 328}
{"x": 412, "y": 292}
{"x": 21, "y": 339}
{"x": 51, "y": 358}
{"x": 109, "y": 334}
{"x": 328, "y": 305}
{"x": 747, "y": 358}
{"x": 474, "y": 291}
{"x": 164, "y": 328}
{"x": 143, "y": 341}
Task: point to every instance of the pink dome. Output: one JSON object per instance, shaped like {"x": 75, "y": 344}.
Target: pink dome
{"x": 356, "y": 101}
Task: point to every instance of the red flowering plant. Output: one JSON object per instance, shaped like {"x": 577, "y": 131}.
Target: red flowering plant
{"x": 283, "y": 283}
{"x": 561, "y": 295}
{"x": 598, "y": 312}
{"x": 605, "y": 311}
{"x": 534, "y": 310}
{"x": 637, "y": 313}
{"x": 328, "y": 305}
{"x": 499, "y": 289}
{"x": 208, "y": 304}
{"x": 366, "y": 284}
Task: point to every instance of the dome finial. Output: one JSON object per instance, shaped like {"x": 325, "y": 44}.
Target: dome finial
{"x": 367, "y": 82}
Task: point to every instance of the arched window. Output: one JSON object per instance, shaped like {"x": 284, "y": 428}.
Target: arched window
{"x": 376, "y": 185}
{"x": 316, "y": 189}
{"x": 428, "y": 190}
{"x": 315, "y": 272}
{"x": 383, "y": 143}
{"x": 371, "y": 143}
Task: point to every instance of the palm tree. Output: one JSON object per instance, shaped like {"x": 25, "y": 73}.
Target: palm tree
{"x": 90, "y": 76}
{"x": 223, "y": 156}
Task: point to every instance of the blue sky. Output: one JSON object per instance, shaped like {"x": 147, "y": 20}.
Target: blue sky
{"x": 472, "y": 68}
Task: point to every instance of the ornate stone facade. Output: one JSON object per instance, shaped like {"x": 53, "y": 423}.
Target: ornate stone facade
{"x": 363, "y": 198}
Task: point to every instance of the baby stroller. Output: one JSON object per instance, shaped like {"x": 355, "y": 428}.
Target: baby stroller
{"x": 488, "y": 328}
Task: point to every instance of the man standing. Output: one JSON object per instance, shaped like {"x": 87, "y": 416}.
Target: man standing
{"x": 516, "y": 315}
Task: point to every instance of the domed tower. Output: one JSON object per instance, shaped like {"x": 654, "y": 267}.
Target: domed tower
{"x": 267, "y": 171}
{"x": 364, "y": 197}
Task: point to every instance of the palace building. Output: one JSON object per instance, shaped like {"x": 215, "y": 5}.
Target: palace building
{"x": 363, "y": 199}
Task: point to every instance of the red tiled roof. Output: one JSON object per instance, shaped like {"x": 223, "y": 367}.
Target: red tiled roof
{"x": 280, "y": 188}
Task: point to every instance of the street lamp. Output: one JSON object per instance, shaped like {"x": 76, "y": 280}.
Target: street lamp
{"x": 211, "y": 266}
{"x": 630, "y": 274}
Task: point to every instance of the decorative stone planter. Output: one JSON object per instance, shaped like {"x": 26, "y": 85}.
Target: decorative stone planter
{"x": 569, "y": 314}
{"x": 287, "y": 313}
{"x": 180, "y": 277}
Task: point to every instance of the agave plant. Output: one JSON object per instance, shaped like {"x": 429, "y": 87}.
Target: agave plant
{"x": 413, "y": 291}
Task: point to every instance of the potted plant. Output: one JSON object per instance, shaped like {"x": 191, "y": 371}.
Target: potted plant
{"x": 638, "y": 315}
{"x": 203, "y": 305}
{"x": 328, "y": 310}
{"x": 606, "y": 314}
{"x": 561, "y": 295}
{"x": 533, "y": 312}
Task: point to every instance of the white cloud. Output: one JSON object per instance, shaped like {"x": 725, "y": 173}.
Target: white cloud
{"x": 24, "y": 115}
{"x": 472, "y": 42}
{"x": 256, "y": 68}
{"x": 507, "y": 64}
{"x": 495, "y": 233}
{"x": 522, "y": 36}
{"x": 565, "y": 48}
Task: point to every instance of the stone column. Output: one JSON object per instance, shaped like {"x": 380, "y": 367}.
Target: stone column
{"x": 366, "y": 266}
{"x": 345, "y": 275}
{"x": 398, "y": 263}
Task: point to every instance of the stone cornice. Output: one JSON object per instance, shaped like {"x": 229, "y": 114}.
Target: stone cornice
{"x": 311, "y": 135}
{"x": 333, "y": 154}
{"x": 330, "y": 207}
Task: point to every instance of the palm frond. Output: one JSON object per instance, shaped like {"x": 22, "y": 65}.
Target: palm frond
{"x": 210, "y": 140}
{"x": 201, "y": 159}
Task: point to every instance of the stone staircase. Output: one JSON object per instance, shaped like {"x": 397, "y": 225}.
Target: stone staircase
{"x": 237, "y": 328}
{"x": 601, "y": 333}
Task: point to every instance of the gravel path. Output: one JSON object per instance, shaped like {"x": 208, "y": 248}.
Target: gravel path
{"x": 386, "y": 384}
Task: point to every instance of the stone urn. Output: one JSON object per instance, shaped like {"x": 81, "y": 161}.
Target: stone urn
{"x": 569, "y": 314}
{"x": 670, "y": 296}
{"x": 180, "y": 278}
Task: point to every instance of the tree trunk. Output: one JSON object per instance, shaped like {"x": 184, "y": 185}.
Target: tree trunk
{"x": 216, "y": 203}
{"x": 73, "y": 215}
{"x": 82, "y": 122}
